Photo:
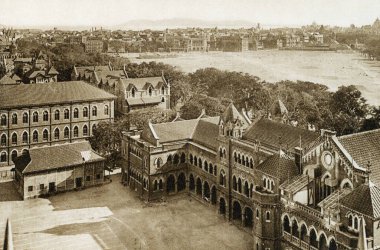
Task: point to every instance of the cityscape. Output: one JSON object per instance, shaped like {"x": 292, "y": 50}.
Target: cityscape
{"x": 253, "y": 125}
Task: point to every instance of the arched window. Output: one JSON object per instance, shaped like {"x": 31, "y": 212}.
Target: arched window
{"x": 3, "y": 120}
{"x": 14, "y": 139}
{"x": 356, "y": 223}
{"x": 162, "y": 90}
{"x": 93, "y": 128}
{"x": 45, "y": 116}
{"x": 191, "y": 159}
{"x": 350, "y": 221}
{"x": 257, "y": 213}
{"x": 85, "y": 112}
{"x": 56, "y": 115}
{"x": 267, "y": 216}
{"x": 14, "y": 155}
{"x": 195, "y": 161}
{"x": 3, "y": 140}
{"x": 14, "y": 118}
{"x": 3, "y": 157}
{"x": 76, "y": 132}
{"x": 25, "y": 117}
{"x": 66, "y": 133}
{"x": 163, "y": 99}
{"x": 66, "y": 114}
{"x": 76, "y": 113}
{"x": 45, "y": 135}
{"x": 85, "y": 130}
{"x": 106, "y": 111}
{"x": 25, "y": 138}
{"x": 150, "y": 91}
{"x": 35, "y": 136}
{"x": 94, "y": 111}
{"x": 35, "y": 116}
{"x": 56, "y": 134}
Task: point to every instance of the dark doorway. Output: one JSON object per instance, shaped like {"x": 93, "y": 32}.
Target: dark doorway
{"x": 199, "y": 187}
{"x": 170, "y": 184}
{"x": 248, "y": 217}
{"x": 51, "y": 187}
{"x": 206, "y": 191}
{"x": 78, "y": 182}
{"x": 236, "y": 211}
{"x": 213, "y": 195}
{"x": 181, "y": 182}
{"x": 222, "y": 206}
{"x": 191, "y": 183}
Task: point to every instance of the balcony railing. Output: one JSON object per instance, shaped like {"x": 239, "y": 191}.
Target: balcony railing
{"x": 308, "y": 210}
{"x": 304, "y": 245}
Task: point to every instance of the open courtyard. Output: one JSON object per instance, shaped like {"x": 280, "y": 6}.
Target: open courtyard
{"x": 113, "y": 217}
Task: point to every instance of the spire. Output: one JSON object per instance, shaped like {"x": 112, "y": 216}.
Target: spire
{"x": 8, "y": 240}
{"x": 362, "y": 240}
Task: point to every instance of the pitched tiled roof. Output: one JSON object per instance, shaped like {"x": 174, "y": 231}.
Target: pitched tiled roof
{"x": 7, "y": 80}
{"x": 107, "y": 75}
{"x": 22, "y": 95}
{"x": 278, "y": 166}
{"x": 202, "y": 131}
{"x": 175, "y": 131}
{"x": 140, "y": 83}
{"x": 54, "y": 157}
{"x": 206, "y": 133}
{"x": 365, "y": 147}
{"x": 364, "y": 199}
{"x": 52, "y": 71}
{"x": 34, "y": 73}
{"x": 231, "y": 114}
{"x": 271, "y": 133}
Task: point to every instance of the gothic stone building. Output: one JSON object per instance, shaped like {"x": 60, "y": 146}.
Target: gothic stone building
{"x": 69, "y": 166}
{"x": 291, "y": 188}
{"x": 35, "y": 115}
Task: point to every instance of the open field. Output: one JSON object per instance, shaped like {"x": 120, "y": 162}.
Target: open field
{"x": 330, "y": 68}
{"x": 112, "y": 217}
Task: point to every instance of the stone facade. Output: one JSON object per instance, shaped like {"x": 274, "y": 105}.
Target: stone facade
{"x": 289, "y": 187}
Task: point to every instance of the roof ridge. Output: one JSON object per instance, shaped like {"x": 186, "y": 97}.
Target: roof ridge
{"x": 359, "y": 133}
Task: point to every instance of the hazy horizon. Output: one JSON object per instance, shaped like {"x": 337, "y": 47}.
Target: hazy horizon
{"x": 110, "y": 13}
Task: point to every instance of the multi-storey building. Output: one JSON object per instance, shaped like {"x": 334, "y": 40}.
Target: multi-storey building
{"x": 34, "y": 115}
{"x": 291, "y": 188}
{"x": 137, "y": 93}
{"x": 132, "y": 93}
{"x": 93, "y": 46}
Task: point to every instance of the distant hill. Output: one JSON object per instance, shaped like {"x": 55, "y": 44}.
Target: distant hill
{"x": 182, "y": 23}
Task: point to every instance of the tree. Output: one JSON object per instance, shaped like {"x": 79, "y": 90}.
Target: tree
{"x": 212, "y": 106}
{"x": 349, "y": 109}
{"x": 141, "y": 117}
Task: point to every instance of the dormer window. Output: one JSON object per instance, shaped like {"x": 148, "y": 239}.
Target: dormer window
{"x": 150, "y": 91}
{"x": 162, "y": 90}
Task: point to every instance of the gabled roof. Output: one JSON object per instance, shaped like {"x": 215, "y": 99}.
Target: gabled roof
{"x": 203, "y": 131}
{"x": 52, "y": 71}
{"x": 279, "y": 166}
{"x": 34, "y": 73}
{"x": 55, "y": 157}
{"x": 7, "y": 80}
{"x": 364, "y": 148}
{"x": 231, "y": 114}
{"x": 206, "y": 132}
{"x": 364, "y": 199}
{"x": 16, "y": 77}
{"x": 276, "y": 135}
{"x": 22, "y": 95}
{"x": 140, "y": 83}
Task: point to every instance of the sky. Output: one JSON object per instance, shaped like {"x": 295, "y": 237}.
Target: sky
{"x": 34, "y": 13}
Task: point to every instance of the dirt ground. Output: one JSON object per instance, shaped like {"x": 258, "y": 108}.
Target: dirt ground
{"x": 112, "y": 217}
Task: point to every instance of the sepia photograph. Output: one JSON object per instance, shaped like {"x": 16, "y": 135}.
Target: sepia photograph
{"x": 189, "y": 125}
